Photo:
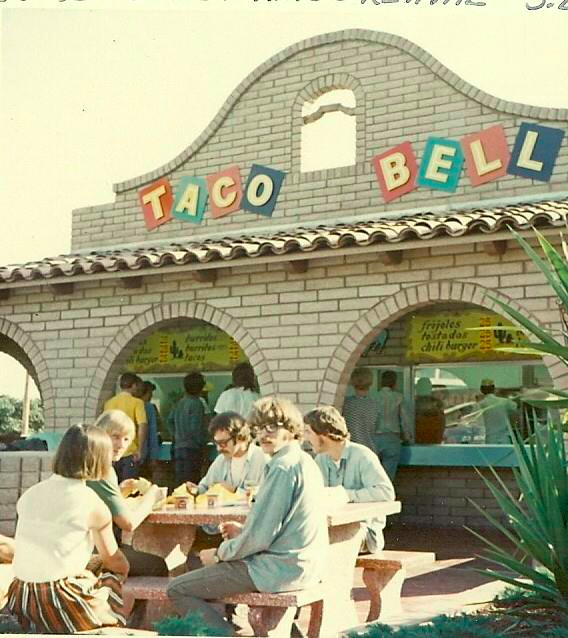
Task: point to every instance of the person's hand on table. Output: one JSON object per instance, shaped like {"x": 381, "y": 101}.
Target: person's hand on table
{"x": 190, "y": 486}
{"x": 207, "y": 556}
{"x": 230, "y": 529}
{"x": 227, "y": 486}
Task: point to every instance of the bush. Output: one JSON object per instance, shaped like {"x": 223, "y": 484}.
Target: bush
{"x": 190, "y": 625}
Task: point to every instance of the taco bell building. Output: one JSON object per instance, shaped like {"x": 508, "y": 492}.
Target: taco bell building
{"x": 247, "y": 246}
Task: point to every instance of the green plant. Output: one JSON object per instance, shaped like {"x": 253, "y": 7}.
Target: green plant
{"x": 538, "y": 520}
{"x": 193, "y": 624}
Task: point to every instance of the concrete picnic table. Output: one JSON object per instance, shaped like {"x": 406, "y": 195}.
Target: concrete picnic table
{"x": 164, "y": 529}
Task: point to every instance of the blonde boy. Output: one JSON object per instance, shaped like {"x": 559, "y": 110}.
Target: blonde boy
{"x": 121, "y": 430}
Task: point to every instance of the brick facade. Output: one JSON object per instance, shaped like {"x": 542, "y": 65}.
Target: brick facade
{"x": 302, "y": 331}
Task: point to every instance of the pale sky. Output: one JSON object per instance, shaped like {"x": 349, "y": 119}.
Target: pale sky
{"x": 98, "y": 91}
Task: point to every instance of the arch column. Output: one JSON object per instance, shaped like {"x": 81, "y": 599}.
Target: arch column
{"x": 364, "y": 329}
{"x": 29, "y": 355}
{"x": 118, "y": 349}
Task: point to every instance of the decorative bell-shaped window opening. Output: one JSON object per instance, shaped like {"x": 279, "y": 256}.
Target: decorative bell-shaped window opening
{"x": 329, "y": 131}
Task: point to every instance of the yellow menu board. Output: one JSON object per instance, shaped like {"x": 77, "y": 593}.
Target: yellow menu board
{"x": 444, "y": 336}
{"x": 201, "y": 347}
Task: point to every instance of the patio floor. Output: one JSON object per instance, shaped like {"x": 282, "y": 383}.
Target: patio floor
{"x": 447, "y": 587}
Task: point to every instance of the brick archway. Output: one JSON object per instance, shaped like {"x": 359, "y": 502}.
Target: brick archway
{"x": 120, "y": 347}
{"x": 20, "y": 345}
{"x": 364, "y": 329}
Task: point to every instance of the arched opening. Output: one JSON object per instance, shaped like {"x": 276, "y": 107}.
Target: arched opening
{"x": 443, "y": 356}
{"x": 21, "y": 409}
{"x": 163, "y": 353}
{"x": 329, "y": 131}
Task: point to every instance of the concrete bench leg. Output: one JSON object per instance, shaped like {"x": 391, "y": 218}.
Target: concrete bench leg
{"x": 316, "y": 615}
{"x": 384, "y": 587}
{"x": 274, "y": 622}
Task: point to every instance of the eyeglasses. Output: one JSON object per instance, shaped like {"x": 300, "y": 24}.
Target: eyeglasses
{"x": 222, "y": 442}
{"x": 269, "y": 428}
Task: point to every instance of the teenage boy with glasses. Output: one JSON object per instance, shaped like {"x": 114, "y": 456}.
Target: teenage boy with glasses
{"x": 240, "y": 461}
{"x": 282, "y": 545}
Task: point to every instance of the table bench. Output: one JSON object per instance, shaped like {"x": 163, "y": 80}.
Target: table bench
{"x": 384, "y": 573}
{"x": 266, "y": 611}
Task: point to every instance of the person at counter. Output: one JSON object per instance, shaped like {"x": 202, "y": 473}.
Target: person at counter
{"x": 393, "y": 424}
{"x": 496, "y": 413}
{"x": 360, "y": 411}
{"x": 430, "y": 420}
{"x": 352, "y": 470}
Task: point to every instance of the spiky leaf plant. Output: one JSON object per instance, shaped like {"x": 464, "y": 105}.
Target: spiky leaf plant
{"x": 538, "y": 520}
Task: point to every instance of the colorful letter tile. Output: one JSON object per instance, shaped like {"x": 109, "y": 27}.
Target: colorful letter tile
{"x": 486, "y": 155}
{"x": 262, "y": 189}
{"x": 156, "y": 201}
{"x": 535, "y": 151}
{"x": 190, "y": 199}
{"x": 396, "y": 171}
{"x": 225, "y": 191}
{"x": 441, "y": 164}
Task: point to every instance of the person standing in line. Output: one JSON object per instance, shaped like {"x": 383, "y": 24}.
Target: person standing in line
{"x": 283, "y": 544}
{"x": 189, "y": 431}
{"x": 128, "y": 402}
{"x": 60, "y": 521}
{"x": 496, "y": 413}
{"x": 350, "y": 469}
{"x": 360, "y": 411}
{"x": 393, "y": 424}
{"x": 242, "y": 395}
{"x": 150, "y": 454}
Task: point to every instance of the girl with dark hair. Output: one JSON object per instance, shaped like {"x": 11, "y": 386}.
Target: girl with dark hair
{"x": 242, "y": 395}
{"x": 60, "y": 521}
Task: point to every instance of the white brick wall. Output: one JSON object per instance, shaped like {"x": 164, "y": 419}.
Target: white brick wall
{"x": 398, "y": 97}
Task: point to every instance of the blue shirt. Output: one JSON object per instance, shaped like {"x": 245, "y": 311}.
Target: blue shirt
{"x": 220, "y": 470}
{"x": 392, "y": 417}
{"x": 151, "y": 450}
{"x": 364, "y": 479}
{"x": 187, "y": 423}
{"x": 284, "y": 541}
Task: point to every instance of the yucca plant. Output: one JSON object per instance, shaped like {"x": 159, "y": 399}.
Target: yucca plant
{"x": 537, "y": 522}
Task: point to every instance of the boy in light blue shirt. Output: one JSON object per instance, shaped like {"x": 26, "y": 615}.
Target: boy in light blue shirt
{"x": 283, "y": 544}
{"x": 352, "y": 470}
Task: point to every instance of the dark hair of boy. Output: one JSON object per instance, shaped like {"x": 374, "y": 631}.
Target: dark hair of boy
{"x": 128, "y": 380}
{"x": 388, "y": 379}
{"x": 243, "y": 376}
{"x": 193, "y": 383}
{"x": 232, "y": 423}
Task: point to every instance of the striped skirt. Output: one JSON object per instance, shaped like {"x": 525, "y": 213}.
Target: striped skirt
{"x": 68, "y": 605}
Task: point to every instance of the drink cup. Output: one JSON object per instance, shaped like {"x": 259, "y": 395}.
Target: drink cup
{"x": 181, "y": 502}
{"x": 212, "y": 500}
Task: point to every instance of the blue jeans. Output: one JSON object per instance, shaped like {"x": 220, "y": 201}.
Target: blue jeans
{"x": 187, "y": 464}
{"x": 387, "y": 447}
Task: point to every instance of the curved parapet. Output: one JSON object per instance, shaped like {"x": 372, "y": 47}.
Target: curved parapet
{"x": 378, "y": 37}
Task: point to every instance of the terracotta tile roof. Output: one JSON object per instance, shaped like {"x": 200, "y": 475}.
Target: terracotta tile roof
{"x": 390, "y": 231}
